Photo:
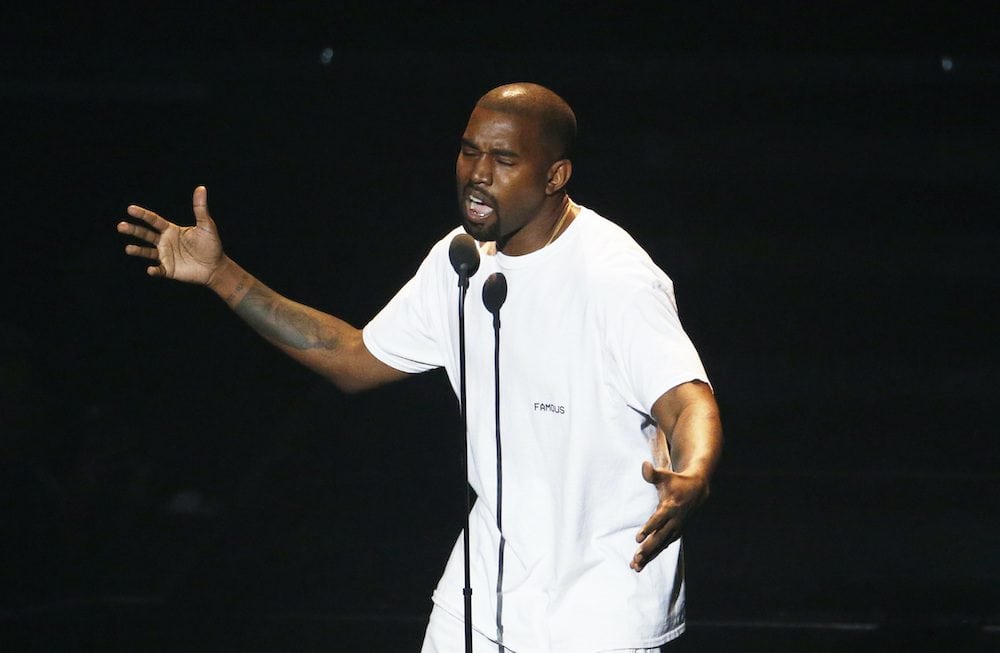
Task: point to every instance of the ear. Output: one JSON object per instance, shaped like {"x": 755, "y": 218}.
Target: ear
{"x": 559, "y": 174}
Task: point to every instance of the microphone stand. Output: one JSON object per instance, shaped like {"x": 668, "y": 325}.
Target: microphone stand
{"x": 465, "y": 259}
{"x": 494, "y": 295}
{"x": 463, "y": 284}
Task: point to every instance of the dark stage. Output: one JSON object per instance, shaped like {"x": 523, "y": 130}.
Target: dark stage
{"x": 823, "y": 190}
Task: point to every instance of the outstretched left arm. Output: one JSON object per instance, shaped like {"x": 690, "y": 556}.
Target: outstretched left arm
{"x": 685, "y": 453}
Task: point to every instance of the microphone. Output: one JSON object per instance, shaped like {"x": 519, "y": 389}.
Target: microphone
{"x": 464, "y": 257}
{"x": 494, "y": 295}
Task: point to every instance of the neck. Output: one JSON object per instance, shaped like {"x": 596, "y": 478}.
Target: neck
{"x": 565, "y": 217}
{"x": 544, "y": 230}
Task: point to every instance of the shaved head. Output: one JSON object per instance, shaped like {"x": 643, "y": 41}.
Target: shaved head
{"x": 554, "y": 117}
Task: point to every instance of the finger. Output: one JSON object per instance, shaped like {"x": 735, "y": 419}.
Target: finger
{"x": 653, "y": 524}
{"x": 653, "y": 546}
{"x": 658, "y": 540}
{"x": 155, "y": 271}
{"x": 199, "y": 202}
{"x": 150, "y": 218}
{"x": 140, "y": 232}
{"x": 143, "y": 252}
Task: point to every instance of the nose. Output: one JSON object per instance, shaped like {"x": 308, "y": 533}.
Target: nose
{"x": 482, "y": 171}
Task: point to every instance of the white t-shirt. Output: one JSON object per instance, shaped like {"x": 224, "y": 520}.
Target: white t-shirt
{"x": 589, "y": 339}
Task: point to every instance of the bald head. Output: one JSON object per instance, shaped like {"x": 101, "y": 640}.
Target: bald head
{"x": 555, "y": 118}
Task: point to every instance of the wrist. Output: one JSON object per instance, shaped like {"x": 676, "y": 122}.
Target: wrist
{"x": 697, "y": 473}
{"x": 217, "y": 277}
{"x": 229, "y": 281}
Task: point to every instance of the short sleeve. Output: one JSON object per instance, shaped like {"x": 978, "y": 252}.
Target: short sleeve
{"x": 648, "y": 345}
{"x": 407, "y": 333}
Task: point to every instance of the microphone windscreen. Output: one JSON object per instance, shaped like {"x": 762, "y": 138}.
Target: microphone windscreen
{"x": 463, "y": 254}
{"x": 495, "y": 292}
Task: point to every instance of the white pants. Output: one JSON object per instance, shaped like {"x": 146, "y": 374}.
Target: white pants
{"x": 446, "y": 634}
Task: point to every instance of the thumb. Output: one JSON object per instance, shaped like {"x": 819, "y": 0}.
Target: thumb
{"x": 655, "y": 476}
{"x": 200, "y": 204}
{"x": 649, "y": 473}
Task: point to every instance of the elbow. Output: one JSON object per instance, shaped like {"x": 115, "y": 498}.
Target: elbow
{"x": 351, "y": 387}
{"x": 355, "y": 369}
{"x": 349, "y": 384}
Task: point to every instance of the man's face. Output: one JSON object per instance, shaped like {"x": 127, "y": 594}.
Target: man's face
{"x": 501, "y": 172}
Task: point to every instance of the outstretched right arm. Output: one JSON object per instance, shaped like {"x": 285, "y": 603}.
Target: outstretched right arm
{"x": 322, "y": 342}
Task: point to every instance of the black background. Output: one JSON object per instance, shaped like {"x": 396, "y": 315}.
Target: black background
{"x": 822, "y": 184}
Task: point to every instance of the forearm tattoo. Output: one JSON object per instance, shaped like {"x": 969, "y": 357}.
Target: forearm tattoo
{"x": 285, "y": 322}
{"x": 239, "y": 287}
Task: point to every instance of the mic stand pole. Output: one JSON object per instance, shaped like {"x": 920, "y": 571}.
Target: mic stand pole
{"x": 464, "y": 258}
{"x": 463, "y": 284}
{"x": 494, "y": 295}
{"x": 496, "y": 402}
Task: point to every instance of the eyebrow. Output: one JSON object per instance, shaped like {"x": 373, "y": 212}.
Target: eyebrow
{"x": 495, "y": 152}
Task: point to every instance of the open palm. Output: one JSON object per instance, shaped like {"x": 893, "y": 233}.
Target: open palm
{"x": 190, "y": 254}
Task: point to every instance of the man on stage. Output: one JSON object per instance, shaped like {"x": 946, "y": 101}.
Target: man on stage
{"x": 610, "y": 431}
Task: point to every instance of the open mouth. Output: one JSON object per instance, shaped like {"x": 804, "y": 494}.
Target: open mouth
{"x": 477, "y": 209}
